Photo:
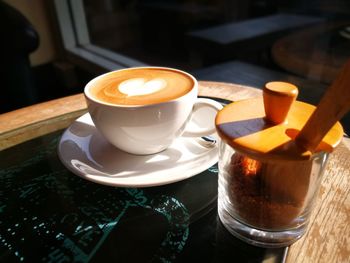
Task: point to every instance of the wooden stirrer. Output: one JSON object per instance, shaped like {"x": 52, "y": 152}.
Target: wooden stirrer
{"x": 334, "y": 104}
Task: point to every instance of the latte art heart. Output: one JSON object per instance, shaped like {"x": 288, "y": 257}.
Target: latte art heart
{"x": 140, "y": 86}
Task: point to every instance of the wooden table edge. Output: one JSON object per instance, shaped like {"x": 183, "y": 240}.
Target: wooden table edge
{"x": 33, "y": 121}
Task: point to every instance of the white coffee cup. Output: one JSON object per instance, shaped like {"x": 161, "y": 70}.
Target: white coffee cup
{"x": 151, "y": 128}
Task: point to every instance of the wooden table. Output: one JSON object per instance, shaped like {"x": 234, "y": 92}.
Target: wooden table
{"x": 328, "y": 236}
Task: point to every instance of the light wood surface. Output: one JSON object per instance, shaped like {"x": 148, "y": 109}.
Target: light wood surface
{"x": 33, "y": 121}
{"x": 328, "y": 236}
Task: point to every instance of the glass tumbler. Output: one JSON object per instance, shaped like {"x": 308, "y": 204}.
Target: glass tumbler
{"x": 266, "y": 202}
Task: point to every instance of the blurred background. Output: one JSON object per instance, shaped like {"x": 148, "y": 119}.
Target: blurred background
{"x": 50, "y": 49}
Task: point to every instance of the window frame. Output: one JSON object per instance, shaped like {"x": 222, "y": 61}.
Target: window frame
{"x": 76, "y": 43}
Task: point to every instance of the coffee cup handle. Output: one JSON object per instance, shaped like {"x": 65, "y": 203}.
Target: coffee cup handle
{"x": 203, "y": 110}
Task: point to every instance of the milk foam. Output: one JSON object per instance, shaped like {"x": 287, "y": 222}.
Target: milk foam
{"x": 140, "y": 86}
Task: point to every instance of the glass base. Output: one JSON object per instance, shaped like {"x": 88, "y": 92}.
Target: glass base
{"x": 258, "y": 237}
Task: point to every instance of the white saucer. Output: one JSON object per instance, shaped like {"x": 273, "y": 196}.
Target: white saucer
{"x": 86, "y": 153}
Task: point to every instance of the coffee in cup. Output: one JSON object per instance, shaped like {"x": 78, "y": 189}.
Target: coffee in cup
{"x": 141, "y": 86}
{"x": 142, "y": 110}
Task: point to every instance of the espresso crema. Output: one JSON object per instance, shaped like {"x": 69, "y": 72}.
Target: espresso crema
{"x": 141, "y": 86}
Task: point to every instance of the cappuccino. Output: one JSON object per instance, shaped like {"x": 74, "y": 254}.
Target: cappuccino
{"x": 143, "y": 110}
{"x": 141, "y": 86}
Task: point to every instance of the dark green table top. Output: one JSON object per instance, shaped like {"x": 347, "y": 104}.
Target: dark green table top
{"x": 48, "y": 214}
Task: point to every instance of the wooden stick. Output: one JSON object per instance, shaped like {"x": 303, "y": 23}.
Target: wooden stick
{"x": 334, "y": 104}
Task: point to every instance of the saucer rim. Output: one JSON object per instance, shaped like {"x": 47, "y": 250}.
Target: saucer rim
{"x": 184, "y": 174}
